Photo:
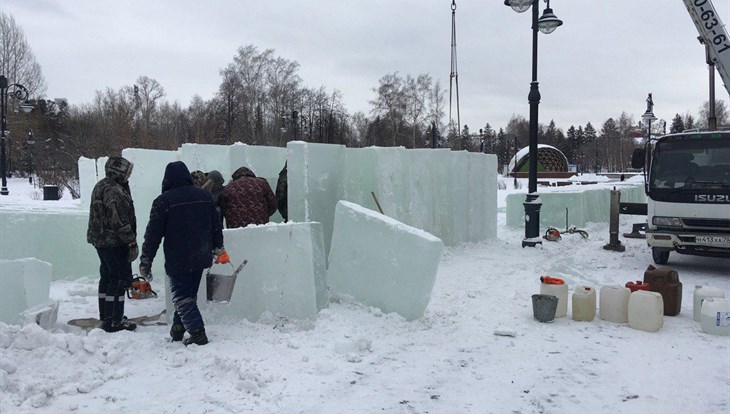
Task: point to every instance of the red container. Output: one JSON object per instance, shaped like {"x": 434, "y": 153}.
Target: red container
{"x": 638, "y": 285}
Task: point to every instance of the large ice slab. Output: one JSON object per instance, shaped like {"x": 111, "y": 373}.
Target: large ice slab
{"x": 314, "y": 175}
{"x": 87, "y": 180}
{"x": 206, "y": 157}
{"x": 382, "y": 262}
{"x": 24, "y": 283}
{"x": 54, "y": 236}
{"x": 284, "y": 277}
{"x": 584, "y": 203}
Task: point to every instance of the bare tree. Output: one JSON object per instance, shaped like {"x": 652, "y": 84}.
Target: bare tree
{"x": 721, "y": 113}
{"x": 360, "y": 129}
{"x": 626, "y": 143}
{"x": 17, "y": 61}
{"x": 417, "y": 91}
{"x": 390, "y": 102}
{"x": 437, "y": 105}
{"x": 230, "y": 94}
{"x": 147, "y": 92}
{"x": 282, "y": 84}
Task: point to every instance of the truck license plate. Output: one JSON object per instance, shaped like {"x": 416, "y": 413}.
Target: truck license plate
{"x": 713, "y": 240}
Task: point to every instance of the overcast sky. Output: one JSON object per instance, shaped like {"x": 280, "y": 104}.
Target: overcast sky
{"x": 605, "y": 59}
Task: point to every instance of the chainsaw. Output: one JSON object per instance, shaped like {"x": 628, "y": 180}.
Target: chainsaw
{"x": 140, "y": 289}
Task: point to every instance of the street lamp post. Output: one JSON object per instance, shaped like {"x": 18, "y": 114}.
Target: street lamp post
{"x": 649, "y": 116}
{"x": 20, "y": 93}
{"x": 547, "y": 24}
{"x": 515, "y": 158}
{"x": 29, "y": 152}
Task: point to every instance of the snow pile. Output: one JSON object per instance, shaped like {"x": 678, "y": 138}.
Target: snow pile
{"x": 356, "y": 359}
{"x": 476, "y": 349}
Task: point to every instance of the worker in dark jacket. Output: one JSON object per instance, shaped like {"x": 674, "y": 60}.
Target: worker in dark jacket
{"x": 281, "y": 194}
{"x": 185, "y": 216}
{"x": 215, "y": 187}
{"x": 247, "y": 200}
{"x": 113, "y": 232}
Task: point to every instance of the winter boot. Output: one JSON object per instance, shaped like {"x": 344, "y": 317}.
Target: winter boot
{"x": 197, "y": 337}
{"x": 123, "y": 325}
{"x": 177, "y": 332}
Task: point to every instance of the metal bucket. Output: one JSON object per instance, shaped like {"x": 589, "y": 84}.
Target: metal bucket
{"x": 544, "y": 307}
{"x": 220, "y": 287}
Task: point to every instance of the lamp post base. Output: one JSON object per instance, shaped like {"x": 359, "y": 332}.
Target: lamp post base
{"x": 531, "y": 242}
{"x": 616, "y": 247}
{"x": 532, "y": 220}
{"x": 4, "y": 191}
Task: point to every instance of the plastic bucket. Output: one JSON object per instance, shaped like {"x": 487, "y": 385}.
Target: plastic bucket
{"x": 544, "y": 306}
{"x": 220, "y": 287}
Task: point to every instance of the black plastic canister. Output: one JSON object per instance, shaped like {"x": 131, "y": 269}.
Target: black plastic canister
{"x": 665, "y": 281}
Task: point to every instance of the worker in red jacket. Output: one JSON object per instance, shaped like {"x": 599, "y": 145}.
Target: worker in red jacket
{"x": 247, "y": 200}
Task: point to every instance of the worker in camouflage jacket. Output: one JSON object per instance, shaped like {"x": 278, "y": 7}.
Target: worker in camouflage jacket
{"x": 113, "y": 232}
{"x": 247, "y": 200}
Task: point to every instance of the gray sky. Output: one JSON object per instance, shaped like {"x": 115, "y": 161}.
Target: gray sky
{"x": 605, "y": 59}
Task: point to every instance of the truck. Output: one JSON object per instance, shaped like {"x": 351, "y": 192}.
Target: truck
{"x": 687, "y": 183}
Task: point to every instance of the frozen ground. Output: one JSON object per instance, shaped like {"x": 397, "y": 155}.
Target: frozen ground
{"x": 355, "y": 359}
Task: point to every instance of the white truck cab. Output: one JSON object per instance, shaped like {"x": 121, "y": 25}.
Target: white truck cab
{"x": 687, "y": 182}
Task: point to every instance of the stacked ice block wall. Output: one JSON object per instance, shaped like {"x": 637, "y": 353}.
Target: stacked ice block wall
{"x": 449, "y": 194}
{"x": 585, "y": 204}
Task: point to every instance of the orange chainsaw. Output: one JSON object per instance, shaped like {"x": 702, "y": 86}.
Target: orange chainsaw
{"x": 140, "y": 289}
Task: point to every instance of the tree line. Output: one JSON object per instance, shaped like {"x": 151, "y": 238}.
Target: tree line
{"x": 262, "y": 100}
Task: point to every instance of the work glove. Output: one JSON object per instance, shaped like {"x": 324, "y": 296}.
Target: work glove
{"x": 221, "y": 256}
{"x": 133, "y": 252}
{"x": 145, "y": 270}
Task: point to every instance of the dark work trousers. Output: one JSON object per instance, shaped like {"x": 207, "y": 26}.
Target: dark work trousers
{"x": 116, "y": 277}
{"x": 184, "y": 288}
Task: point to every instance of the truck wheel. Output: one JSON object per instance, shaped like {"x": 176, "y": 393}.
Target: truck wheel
{"x": 660, "y": 257}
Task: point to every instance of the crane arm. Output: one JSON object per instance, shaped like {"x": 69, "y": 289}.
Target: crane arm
{"x": 714, "y": 34}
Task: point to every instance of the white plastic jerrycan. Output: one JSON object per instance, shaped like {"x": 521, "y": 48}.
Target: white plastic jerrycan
{"x": 715, "y": 316}
{"x": 614, "y": 304}
{"x": 702, "y": 293}
{"x": 584, "y": 303}
{"x": 558, "y": 288}
{"x": 646, "y": 310}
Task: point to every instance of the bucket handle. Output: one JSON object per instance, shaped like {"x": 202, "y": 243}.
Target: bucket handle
{"x": 211, "y": 266}
{"x": 236, "y": 270}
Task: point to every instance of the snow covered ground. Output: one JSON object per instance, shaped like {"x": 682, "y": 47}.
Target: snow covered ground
{"x": 355, "y": 359}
